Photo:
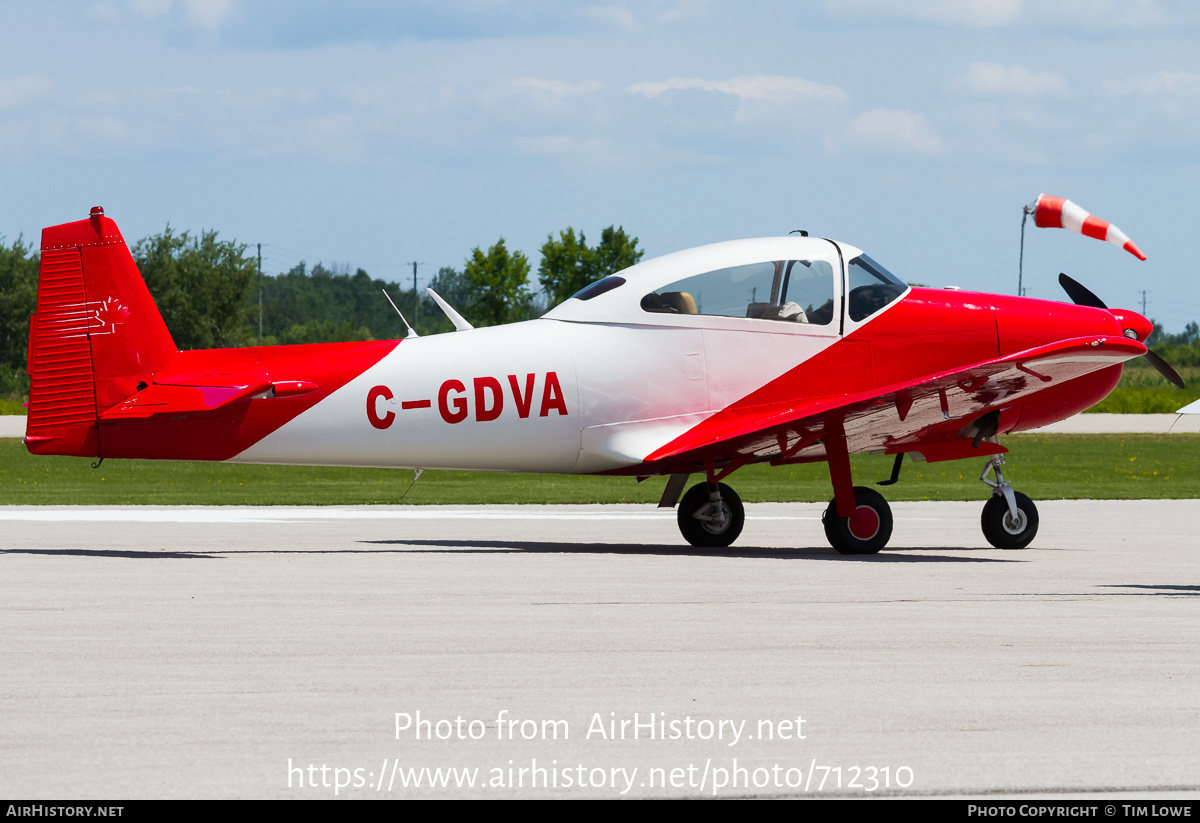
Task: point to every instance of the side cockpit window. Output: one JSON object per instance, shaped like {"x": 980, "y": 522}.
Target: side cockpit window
{"x": 809, "y": 284}
{"x": 795, "y": 291}
{"x": 599, "y": 287}
{"x": 871, "y": 288}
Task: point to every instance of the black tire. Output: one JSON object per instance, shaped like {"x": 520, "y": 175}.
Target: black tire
{"x": 998, "y": 525}
{"x": 873, "y": 534}
{"x": 704, "y": 533}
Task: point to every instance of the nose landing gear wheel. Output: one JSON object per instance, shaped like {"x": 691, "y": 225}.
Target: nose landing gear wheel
{"x": 867, "y": 531}
{"x": 1003, "y": 530}
{"x": 708, "y": 523}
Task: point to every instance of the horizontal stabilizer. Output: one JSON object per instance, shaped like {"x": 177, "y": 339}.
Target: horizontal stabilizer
{"x": 184, "y": 396}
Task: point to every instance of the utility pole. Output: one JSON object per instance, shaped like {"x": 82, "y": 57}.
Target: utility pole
{"x": 1143, "y": 302}
{"x": 260, "y": 292}
{"x": 416, "y": 297}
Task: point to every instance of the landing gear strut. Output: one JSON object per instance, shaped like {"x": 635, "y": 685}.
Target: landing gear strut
{"x": 858, "y": 520}
{"x": 1009, "y": 519}
{"x": 711, "y": 515}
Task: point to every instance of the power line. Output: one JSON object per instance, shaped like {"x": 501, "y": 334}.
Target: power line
{"x": 294, "y": 255}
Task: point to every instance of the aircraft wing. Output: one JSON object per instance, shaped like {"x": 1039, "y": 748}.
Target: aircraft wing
{"x": 933, "y": 415}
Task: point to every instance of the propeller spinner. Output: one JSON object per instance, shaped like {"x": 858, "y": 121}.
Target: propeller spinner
{"x": 1081, "y": 295}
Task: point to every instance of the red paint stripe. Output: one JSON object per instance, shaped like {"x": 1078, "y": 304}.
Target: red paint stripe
{"x": 1095, "y": 227}
{"x": 1048, "y": 214}
{"x": 416, "y": 404}
{"x": 225, "y": 432}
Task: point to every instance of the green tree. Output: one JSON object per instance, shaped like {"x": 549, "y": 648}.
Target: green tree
{"x": 18, "y": 298}
{"x": 201, "y": 285}
{"x": 499, "y": 286}
{"x": 453, "y": 286}
{"x": 321, "y": 331}
{"x": 615, "y": 251}
{"x": 568, "y": 264}
{"x": 1189, "y": 336}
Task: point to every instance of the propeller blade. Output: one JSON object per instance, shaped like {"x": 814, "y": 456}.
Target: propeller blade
{"x": 1080, "y": 294}
{"x": 1164, "y": 368}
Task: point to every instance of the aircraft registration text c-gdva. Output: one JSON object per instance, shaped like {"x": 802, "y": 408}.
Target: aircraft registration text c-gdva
{"x": 454, "y": 403}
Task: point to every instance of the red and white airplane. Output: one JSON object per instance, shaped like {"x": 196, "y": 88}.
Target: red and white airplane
{"x": 782, "y": 350}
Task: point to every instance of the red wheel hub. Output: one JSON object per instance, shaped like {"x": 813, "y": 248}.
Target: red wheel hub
{"x": 864, "y": 523}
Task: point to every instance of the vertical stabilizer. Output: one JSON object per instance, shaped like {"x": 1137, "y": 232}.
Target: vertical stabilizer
{"x": 95, "y": 337}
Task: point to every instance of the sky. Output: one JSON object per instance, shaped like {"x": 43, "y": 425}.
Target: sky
{"x": 371, "y": 134}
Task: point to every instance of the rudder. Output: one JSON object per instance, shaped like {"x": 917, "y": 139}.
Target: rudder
{"x": 96, "y": 335}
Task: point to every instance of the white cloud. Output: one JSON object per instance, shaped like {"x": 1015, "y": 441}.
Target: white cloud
{"x": 995, "y": 80}
{"x": 522, "y": 96}
{"x": 1102, "y": 14}
{"x": 110, "y": 129}
{"x": 559, "y": 89}
{"x": 333, "y": 136}
{"x": 594, "y": 154}
{"x": 893, "y": 131}
{"x": 104, "y": 11}
{"x": 747, "y": 87}
{"x": 1163, "y": 84}
{"x": 209, "y": 14}
{"x": 560, "y": 144}
{"x": 149, "y": 8}
{"x": 615, "y": 16}
{"x": 1072, "y": 14}
{"x": 974, "y": 13}
{"x": 682, "y": 10}
{"x": 19, "y": 90}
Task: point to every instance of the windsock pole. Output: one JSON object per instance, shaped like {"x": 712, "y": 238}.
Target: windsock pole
{"x": 1025, "y": 212}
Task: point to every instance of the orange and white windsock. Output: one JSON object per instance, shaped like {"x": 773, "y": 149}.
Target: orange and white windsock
{"x": 1060, "y": 213}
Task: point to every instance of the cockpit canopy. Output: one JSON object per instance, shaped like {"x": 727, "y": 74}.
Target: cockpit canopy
{"x": 792, "y": 280}
{"x": 795, "y": 291}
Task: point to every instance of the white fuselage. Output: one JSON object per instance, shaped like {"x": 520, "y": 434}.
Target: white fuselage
{"x": 597, "y": 384}
{"x": 543, "y": 396}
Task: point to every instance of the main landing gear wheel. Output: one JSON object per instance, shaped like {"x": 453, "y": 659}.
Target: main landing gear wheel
{"x": 1003, "y": 530}
{"x": 708, "y": 522}
{"x": 867, "y": 531}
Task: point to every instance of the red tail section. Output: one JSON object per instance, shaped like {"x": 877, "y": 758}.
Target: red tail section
{"x": 107, "y": 380}
{"x": 95, "y": 337}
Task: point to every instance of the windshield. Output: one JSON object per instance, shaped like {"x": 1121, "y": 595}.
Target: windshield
{"x": 871, "y": 288}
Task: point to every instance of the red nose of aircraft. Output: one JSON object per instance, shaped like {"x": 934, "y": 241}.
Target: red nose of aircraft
{"x": 1133, "y": 324}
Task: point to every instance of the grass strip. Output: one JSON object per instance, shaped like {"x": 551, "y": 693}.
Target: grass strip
{"x": 1064, "y": 466}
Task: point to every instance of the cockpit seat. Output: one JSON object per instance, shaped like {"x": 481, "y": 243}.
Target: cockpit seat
{"x": 680, "y": 302}
{"x": 769, "y": 311}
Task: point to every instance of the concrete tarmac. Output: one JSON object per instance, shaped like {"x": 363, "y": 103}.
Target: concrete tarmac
{"x": 584, "y": 651}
